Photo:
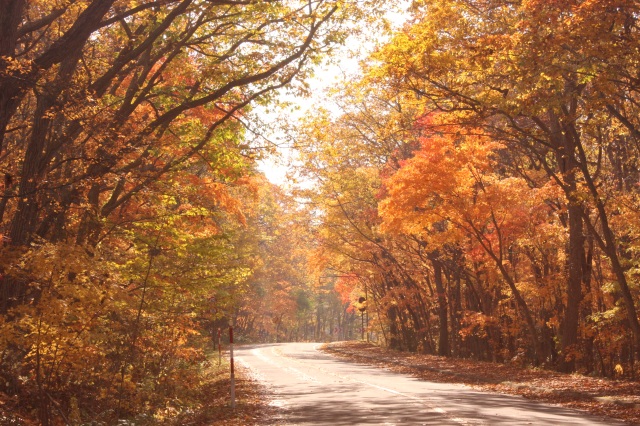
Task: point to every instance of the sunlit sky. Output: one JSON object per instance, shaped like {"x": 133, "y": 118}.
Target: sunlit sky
{"x": 345, "y": 63}
{"x": 275, "y": 169}
{"x": 326, "y": 76}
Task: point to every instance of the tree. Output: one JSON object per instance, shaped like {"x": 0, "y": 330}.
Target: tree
{"x": 531, "y": 76}
{"x": 87, "y": 125}
{"x": 126, "y": 169}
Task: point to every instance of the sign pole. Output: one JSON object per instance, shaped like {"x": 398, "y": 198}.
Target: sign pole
{"x": 233, "y": 382}
{"x": 219, "y": 346}
{"x": 362, "y": 307}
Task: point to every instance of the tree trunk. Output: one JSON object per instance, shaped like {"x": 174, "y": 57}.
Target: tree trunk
{"x": 574, "y": 288}
{"x": 443, "y": 339}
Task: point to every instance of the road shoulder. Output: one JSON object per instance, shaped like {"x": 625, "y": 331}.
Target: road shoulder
{"x": 602, "y": 397}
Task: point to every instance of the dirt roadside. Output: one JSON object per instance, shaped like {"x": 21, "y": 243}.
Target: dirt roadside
{"x": 614, "y": 398}
{"x": 252, "y": 403}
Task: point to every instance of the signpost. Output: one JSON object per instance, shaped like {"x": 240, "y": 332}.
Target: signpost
{"x": 233, "y": 382}
{"x": 219, "y": 346}
{"x": 362, "y": 301}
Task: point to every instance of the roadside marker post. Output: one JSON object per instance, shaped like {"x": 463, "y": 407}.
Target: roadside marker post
{"x": 362, "y": 307}
{"x": 233, "y": 382}
{"x": 219, "y": 346}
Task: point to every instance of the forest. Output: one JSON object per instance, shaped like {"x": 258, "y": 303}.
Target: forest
{"x": 472, "y": 192}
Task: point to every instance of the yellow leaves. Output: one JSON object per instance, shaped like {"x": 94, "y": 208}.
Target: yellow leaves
{"x": 618, "y": 370}
{"x": 515, "y": 58}
{"x": 12, "y": 66}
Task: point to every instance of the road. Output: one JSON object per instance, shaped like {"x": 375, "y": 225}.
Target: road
{"x": 314, "y": 388}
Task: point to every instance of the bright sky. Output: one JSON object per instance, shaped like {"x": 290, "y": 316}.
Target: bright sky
{"x": 275, "y": 169}
{"x": 344, "y": 63}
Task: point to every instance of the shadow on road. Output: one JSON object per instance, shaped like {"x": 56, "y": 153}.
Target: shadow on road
{"x": 313, "y": 388}
{"x": 496, "y": 410}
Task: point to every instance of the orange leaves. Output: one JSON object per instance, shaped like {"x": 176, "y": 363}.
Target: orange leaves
{"x": 477, "y": 324}
{"x": 345, "y": 286}
{"x": 436, "y": 185}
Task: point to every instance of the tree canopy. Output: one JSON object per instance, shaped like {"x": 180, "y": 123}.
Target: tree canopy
{"x": 473, "y": 193}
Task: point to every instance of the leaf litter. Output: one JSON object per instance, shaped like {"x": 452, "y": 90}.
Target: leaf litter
{"x": 618, "y": 399}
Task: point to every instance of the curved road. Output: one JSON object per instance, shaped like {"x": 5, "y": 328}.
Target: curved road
{"x": 314, "y": 388}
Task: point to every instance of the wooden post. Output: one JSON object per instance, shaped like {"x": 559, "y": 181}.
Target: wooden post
{"x": 233, "y": 382}
{"x": 219, "y": 346}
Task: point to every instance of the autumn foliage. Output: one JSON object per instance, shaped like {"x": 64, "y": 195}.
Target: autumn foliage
{"x": 475, "y": 192}
{"x": 129, "y": 192}
{"x": 481, "y": 182}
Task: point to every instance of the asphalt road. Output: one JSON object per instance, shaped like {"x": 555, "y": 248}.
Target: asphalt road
{"x": 313, "y": 388}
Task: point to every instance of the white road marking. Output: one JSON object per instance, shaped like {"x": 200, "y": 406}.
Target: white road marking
{"x": 414, "y": 399}
{"x": 280, "y": 403}
{"x": 284, "y": 365}
{"x": 251, "y": 371}
{"x": 258, "y": 353}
